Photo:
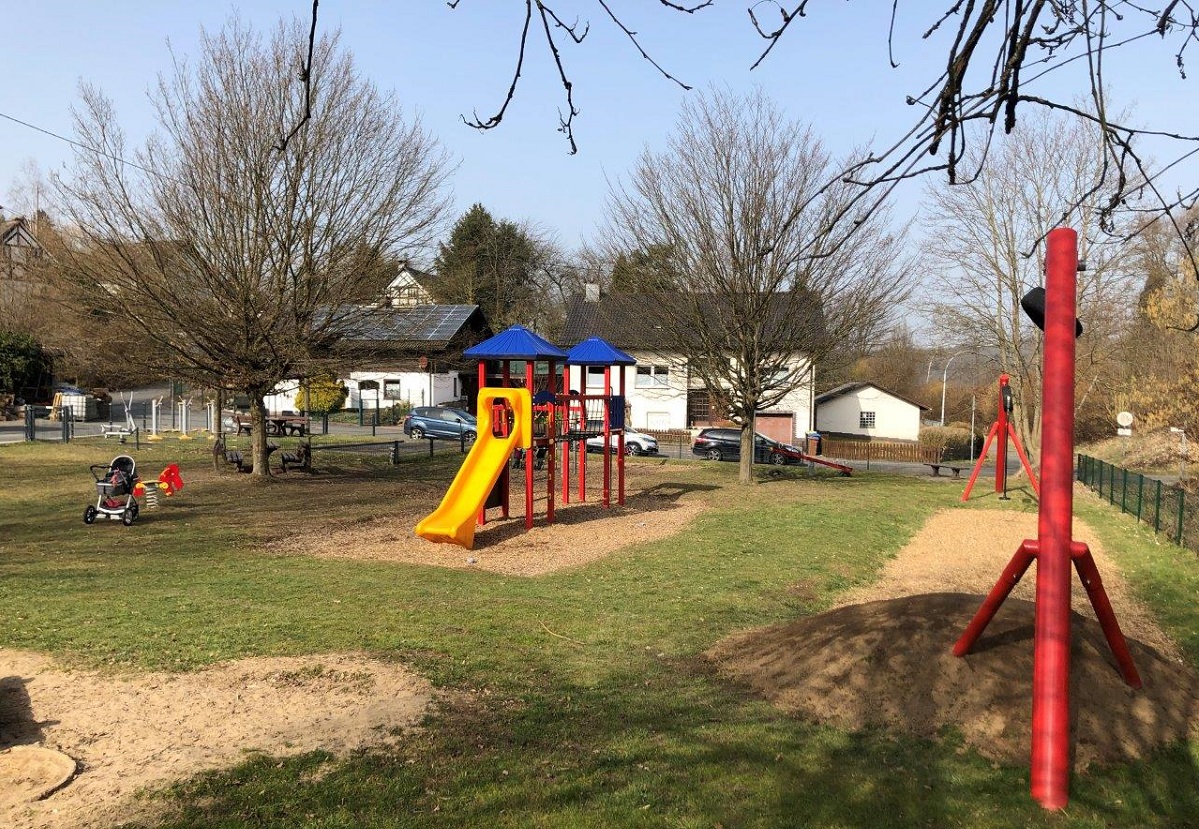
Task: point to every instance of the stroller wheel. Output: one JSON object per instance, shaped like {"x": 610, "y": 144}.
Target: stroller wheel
{"x": 89, "y": 515}
{"x": 134, "y": 509}
{"x": 127, "y": 517}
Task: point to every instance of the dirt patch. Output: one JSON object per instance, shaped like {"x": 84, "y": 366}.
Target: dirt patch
{"x": 883, "y": 658}
{"x": 659, "y": 502}
{"x": 127, "y": 733}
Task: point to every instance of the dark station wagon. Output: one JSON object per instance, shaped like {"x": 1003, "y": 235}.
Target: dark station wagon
{"x": 722, "y": 444}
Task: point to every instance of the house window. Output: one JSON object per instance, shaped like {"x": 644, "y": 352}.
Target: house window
{"x": 391, "y": 389}
{"x": 865, "y": 420}
{"x": 651, "y": 377}
{"x": 595, "y": 378}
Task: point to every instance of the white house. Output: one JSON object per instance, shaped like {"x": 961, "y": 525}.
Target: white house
{"x": 401, "y": 353}
{"x": 407, "y": 289}
{"x": 868, "y": 410}
{"x": 661, "y": 391}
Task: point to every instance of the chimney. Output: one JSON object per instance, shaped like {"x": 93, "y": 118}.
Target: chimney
{"x": 591, "y": 291}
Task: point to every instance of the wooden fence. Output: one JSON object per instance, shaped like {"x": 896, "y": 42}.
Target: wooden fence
{"x": 880, "y": 450}
{"x": 673, "y": 443}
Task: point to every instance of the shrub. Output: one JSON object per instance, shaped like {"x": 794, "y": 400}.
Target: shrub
{"x": 953, "y": 441}
{"x": 322, "y": 394}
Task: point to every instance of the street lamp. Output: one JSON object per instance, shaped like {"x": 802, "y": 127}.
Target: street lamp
{"x": 944, "y": 379}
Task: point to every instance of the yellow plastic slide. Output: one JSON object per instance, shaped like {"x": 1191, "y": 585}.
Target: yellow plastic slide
{"x": 454, "y": 521}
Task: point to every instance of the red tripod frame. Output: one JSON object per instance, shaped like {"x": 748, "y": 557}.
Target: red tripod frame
{"x": 1002, "y": 429}
{"x": 1054, "y": 548}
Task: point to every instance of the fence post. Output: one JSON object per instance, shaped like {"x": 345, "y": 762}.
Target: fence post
{"x": 1157, "y": 510}
{"x": 1140, "y": 494}
{"x": 64, "y": 416}
{"x": 395, "y": 452}
{"x": 1181, "y": 501}
{"x": 1123, "y": 490}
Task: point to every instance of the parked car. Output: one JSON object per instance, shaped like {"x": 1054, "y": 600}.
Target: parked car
{"x": 635, "y": 443}
{"x": 719, "y": 444}
{"x": 440, "y": 422}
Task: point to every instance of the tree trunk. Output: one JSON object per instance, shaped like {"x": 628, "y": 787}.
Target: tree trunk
{"x": 218, "y": 447}
{"x": 258, "y": 433}
{"x": 745, "y": 470}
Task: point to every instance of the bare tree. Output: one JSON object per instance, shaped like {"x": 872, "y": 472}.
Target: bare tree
{"x": 978, "y": 234}
{"x": 221, "y": 254}
{"x": 997, "y": 54}
{"x": 738, "y": 203}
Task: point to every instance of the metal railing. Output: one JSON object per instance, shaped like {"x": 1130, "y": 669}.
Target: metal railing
{"x": 1162, "y": 505}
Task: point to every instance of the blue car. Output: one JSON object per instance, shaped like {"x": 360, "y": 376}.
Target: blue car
{"x": 441, "y": 422}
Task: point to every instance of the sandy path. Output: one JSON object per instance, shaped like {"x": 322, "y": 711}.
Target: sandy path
{"x": 130, "y": 732}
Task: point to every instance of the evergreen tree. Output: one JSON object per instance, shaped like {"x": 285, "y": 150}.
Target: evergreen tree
{"x": 490, "y": 264}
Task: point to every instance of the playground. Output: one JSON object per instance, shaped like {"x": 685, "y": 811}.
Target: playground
{"x": 818, "y": 654}
{"x": 594, "y": 652}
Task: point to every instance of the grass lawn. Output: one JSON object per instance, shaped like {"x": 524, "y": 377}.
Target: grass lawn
{"x": 616, "y": 721}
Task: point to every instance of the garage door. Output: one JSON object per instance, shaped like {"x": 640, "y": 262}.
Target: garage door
{"x": 777, "y": 425}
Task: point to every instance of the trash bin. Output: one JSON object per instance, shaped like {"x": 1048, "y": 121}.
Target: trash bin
{"x": 813, "y": 443}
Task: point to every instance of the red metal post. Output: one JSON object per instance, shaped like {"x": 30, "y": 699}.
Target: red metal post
{"x": 551, "y": 445}
{"x": 1088, "y": 573}
{"x": 978, "y": 466}
{"x": 1009, "y": 579}
{"x": 607, "y": 434}
{"x": 582, "y": 444}
{"x": 1032, "y": 478}
{"x": 624, "y": 427}
{"x": 481, "y": 519}
{"x": 1051, "y": 636}
{"x": 529, "y": 456}
{"x": 568, "y": 403}
{"x": 1001, "y": 434}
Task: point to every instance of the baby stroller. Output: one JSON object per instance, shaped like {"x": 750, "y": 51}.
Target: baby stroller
{"x": 115, "y": 497}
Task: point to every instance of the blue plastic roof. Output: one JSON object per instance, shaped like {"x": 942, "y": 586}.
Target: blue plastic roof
{"x": 596, "y": 352}
{"x": 515, "y": 343}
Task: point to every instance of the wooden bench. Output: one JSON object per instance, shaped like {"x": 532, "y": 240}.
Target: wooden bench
{"x": 243, "y": 461}
{"x": 235, "y": 458}
{"x": 937, "y": 467}
{"x": 300, "y": 459}
{"x": 241, "y": 425}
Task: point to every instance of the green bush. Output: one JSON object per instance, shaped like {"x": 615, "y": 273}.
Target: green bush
{"x": 953, "y": 440}
{"x": 322, "y": 394}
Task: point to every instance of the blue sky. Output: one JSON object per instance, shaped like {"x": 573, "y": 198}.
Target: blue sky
{"x": 831, "y": 70}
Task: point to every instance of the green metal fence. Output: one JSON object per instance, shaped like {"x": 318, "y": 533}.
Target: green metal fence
{"x": 1164, "y": 506}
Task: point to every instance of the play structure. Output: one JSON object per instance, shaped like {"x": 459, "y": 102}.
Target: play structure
{"x": 533, "y": 409}
{"x": 1053, "y": 310}
{"x": 1000, "y": 431}
{"x": 121, "y": 493}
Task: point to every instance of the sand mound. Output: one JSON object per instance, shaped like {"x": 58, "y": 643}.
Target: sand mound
{"x": 889, "y": 664}
{"x": 883, "y": 658}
